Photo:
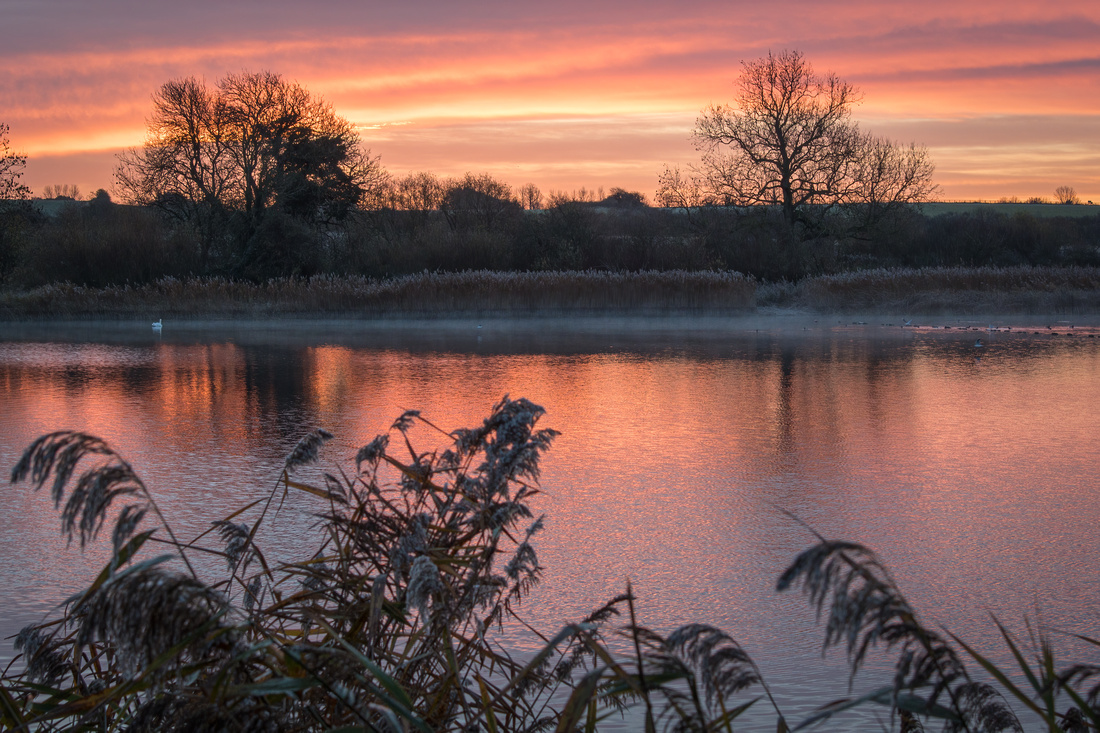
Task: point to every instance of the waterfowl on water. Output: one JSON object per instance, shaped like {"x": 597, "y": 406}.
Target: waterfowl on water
{"x": 157, "y": 325}
{"x": 978, "y": 344}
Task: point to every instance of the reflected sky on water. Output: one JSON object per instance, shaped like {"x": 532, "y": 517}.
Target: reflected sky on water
{"x": 972, "y": 471}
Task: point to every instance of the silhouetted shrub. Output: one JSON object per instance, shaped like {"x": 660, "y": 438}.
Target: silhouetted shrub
{"x": 104, "y": 244}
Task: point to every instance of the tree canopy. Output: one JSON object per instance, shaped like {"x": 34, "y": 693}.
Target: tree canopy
{"x": 11, "y": 170}
{"x": 14, "y": 205}
{"x": 252, "y": 147}
{"x": 789, "y": 140}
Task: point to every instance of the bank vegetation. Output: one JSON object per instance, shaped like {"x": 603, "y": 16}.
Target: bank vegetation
{"x": 487, "y": 293}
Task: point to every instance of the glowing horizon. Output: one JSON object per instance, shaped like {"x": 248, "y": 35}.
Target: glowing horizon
{"x": 1007, "y": 98}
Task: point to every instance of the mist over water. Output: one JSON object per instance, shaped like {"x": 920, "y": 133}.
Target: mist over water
{"x": 970, "y": 470}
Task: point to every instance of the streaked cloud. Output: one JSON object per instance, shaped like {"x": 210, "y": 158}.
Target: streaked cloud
{"x": 1007, "y": 96}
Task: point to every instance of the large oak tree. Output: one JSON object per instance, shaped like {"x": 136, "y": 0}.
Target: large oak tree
{"x": 252, "y": 147}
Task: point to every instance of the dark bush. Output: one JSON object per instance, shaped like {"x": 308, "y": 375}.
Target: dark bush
{"x": 102, "y": 244}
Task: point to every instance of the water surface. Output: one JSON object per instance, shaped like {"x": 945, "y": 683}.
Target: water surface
{"x": 971, "y": 470}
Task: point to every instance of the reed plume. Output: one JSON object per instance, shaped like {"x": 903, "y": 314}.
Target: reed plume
{"x": 146, "y": 611}
{"x": 712, "y": 667}
{"x": 863, "y": 606}
{"x": 108, "y": 479}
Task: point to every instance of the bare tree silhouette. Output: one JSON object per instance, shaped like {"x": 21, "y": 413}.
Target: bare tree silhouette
{"x": 1066, "y": 195}
{"x": 789, "y": 140}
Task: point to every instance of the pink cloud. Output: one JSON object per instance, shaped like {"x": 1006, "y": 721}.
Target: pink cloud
{"x": 569, "y": 95}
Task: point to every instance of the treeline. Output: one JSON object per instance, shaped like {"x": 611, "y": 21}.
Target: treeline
{"x": 421, "y": 222}
{"x": 253, "y": 178}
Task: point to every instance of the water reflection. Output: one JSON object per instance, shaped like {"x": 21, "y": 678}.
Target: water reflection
{"x": 681, "y": 441}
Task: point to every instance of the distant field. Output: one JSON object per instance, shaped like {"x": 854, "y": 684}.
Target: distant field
{"x": 1047, "y": 210}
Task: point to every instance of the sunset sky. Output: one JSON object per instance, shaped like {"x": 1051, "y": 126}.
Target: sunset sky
{"x": 1006, "y": 95}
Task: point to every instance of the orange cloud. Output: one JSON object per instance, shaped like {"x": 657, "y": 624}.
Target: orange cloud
{"x": 596, "y": 96}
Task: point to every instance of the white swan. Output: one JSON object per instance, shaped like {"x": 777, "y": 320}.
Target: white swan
{"x": 158, "y": 325}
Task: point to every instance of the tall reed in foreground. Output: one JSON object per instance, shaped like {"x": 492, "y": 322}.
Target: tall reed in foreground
{"x": 392, "y": 622}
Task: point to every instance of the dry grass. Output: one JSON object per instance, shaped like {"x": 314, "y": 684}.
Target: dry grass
{"x": 1021, "y": 290}
{"x": 427, "y": 294}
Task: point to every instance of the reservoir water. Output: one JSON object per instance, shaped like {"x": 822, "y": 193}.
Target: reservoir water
{"x": 972, "y": 471}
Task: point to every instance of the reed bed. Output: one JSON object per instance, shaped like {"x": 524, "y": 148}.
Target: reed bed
{"x": 389, "y": 623}
{"x": 952, "y": 289}
{"x": 426, "y": 294}
{"x": 1022, "y": 290}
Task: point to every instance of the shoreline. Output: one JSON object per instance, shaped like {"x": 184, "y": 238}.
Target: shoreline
{"x": 506, "y": 331}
